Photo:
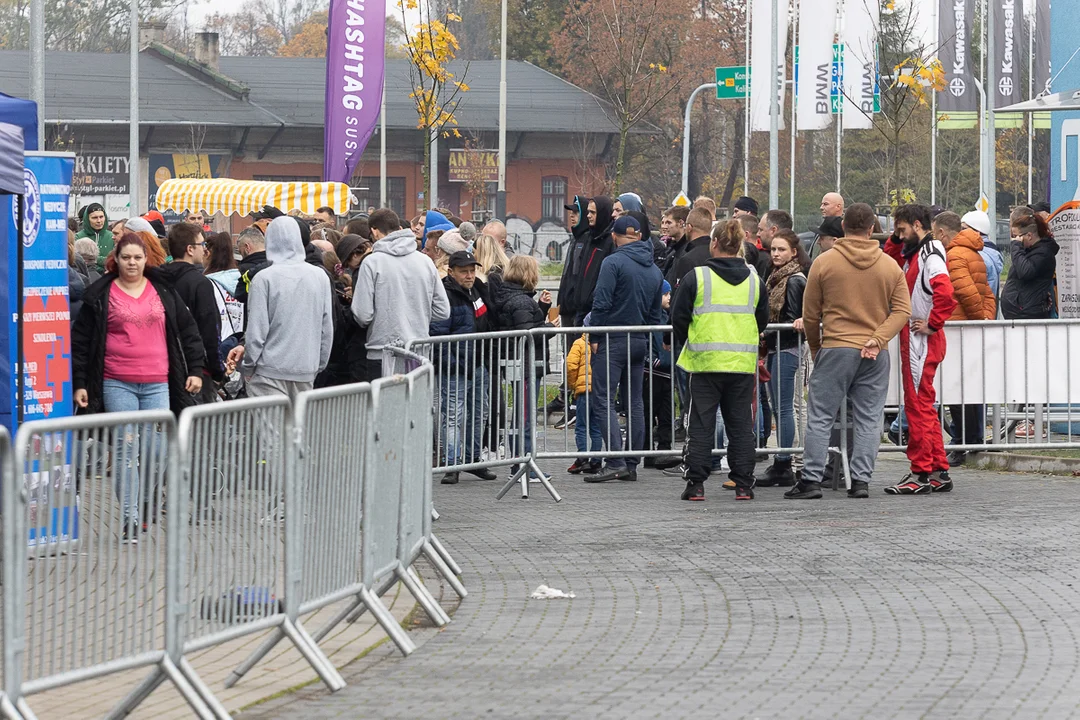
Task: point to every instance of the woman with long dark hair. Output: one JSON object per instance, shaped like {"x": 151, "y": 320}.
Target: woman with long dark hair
{"x": 134, "y": 346}
{"x": 1029, "y": 290}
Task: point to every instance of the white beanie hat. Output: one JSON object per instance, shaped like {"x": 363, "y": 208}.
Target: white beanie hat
{"x": 979, "y": 220}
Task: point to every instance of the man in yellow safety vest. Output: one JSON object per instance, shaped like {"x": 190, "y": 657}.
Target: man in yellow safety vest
{"x": 718, "y": 315}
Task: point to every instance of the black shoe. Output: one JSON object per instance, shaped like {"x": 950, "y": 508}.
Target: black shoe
{"x": 666, "y": 463}
{"x": 744, "y": 492}
{"x": 450, "y": 478}
{"x": 130, "y": 535}
{"x": 555, "y": 405}
{"x": 779, "y": 474}
{"x": 804, "y": 491}
{"x": 859, "y": 489}
{"x": 483, "y": 474}
{"x": 912, "y": 484}
{"x": 694, "y": 491}
{"x": 940, "y": 482}
{"x": 630, "y": 476}
{"x": 593, "y": 468}
{"x": 676, "y": 471}
{"x": 578, "y": 467}
{"x": 650, "y": 462}
{"x": 956, "y": 458}
{"x": 609, "y": 475}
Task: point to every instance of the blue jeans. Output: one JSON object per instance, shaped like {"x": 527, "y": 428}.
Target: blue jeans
{"x": 587, "y": 426}
{"x": 782, "y": 390}
{"x": 464, "y": 404}
{"x": 120, "y": 396}
{"x": 614, "y": 367}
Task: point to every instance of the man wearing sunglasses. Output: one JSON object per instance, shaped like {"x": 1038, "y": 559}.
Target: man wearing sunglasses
{"x": 187, "y": 246}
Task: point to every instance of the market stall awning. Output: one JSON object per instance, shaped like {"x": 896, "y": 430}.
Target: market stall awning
{"x": 245, "y": 196}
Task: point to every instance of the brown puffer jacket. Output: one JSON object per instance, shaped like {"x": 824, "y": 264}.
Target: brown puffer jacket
{"x": 974, "y": 298}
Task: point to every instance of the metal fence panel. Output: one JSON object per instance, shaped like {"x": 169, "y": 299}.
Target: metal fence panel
{"x": 382, "y": 479}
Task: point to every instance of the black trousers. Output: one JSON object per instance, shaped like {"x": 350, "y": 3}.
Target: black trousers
{"x": 658, "y": 411}
{"x": 733, "y": 393}
{"x": 969, "y": 427}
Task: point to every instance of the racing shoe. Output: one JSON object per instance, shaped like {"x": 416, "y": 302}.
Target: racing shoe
{"x": 578, "y": 467}
{"x": 744, "y": 492}
{"x": 911, "y": 484}
{"x": 694, "y": 491}
{"x": 940, "y": 482}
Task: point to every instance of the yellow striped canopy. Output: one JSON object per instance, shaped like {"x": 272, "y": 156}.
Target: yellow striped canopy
{"x": 245, "y": 196}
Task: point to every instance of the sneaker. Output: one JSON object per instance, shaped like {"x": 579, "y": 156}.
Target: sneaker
{"x": 130, "y": 535}
{"x": 956, "y": 458}
{"x": 804, "y": 491}
{"x": 578, "y": 467}
{"x": 940, "y": 482}
{"x": 1026, "y": 429}
{"x": 728, "y": 485}
{"x": 694, "y": 491}
{"x": 566, "y": 422}
{"x": 911, "y": 484}
{"x": 667, "y": 463}
{"x": 859, "y": 489}
{"x": 630, "y": 476}
{"x": 482, "y": 474}
{"x": 896, "y": 438}
{"x": 744, "y": 492}
{"x": 593, "y": 468}
{"x": 610, "y": 474}
{"x": 779, "y": 474}
{"x": 450, "y": 478}
{"x": 677, "y": 471}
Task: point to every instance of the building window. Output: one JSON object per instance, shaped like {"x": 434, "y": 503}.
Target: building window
{"x": 553, "y": 199}
{"x": 366, "y": 192}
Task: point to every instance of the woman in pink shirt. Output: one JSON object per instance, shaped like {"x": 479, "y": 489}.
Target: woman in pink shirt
{"x": 134, "y": 346}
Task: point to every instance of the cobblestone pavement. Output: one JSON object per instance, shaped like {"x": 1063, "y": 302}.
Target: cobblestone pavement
{"x": 943, "y": 606}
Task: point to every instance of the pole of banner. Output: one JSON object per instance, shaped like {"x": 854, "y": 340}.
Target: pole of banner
{"x": 37, "y": 65}
{"x": 933, "y": 125}
{"x": 791, "y": 154}
{"x": 983, "y": 90}
{"x": 1031, "y": 96}
{"x": 382, "y": 147}
{"x": 774, "y": 107}
{"x": 500, "y": 197}
{"x": 133, "y": 123}
{"x": 991, "y": 134}
{"x": 839, "y": 117}
{"x": 746, "y": 115}
{"x": 686, "y": 134}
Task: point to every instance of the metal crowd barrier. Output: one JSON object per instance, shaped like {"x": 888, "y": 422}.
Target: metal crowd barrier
{"x": 130, "y": 541}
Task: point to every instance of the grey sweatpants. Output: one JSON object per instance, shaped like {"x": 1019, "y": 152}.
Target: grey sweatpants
{"x": 261, "y": 386}
{"x": 839, "y": 372}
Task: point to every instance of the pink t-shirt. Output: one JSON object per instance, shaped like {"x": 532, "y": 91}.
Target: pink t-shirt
{"x": 135, "y": 349}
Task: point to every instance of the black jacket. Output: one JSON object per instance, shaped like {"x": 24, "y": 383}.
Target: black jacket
{"x": 792, "y": 310}
{"x": 731, "y": 270}
{"x": 249, "y": 267}
{"x": 675, "y": 253}
{"x": 696, "y": 254}
{"x": 515, "y": 308}
{"x": 1029, "y": 290}
{"x": 89, "y": 333}
{"x": 464, "y": 357}
{"x": 759, "y": 259}
{"x": 583, "y": 265}
{"x": 197, "y": 292}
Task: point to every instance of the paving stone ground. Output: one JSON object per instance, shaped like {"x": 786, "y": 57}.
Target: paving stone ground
{"x": 946, "y": 606}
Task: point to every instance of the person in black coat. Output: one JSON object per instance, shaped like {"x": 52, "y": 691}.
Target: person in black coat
{"x": 1029, "y": 290}
{"x": 579, "y": 279}
{"x": 579, "y": 235}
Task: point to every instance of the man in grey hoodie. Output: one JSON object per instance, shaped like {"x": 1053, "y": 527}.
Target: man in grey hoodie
{"x": 289, "y": 324}
{"x": 398, "y": 292}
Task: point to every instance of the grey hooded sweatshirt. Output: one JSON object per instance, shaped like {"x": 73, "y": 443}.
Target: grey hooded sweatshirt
{"x": 398, "y": 293}
{"x": 290, "y": 326}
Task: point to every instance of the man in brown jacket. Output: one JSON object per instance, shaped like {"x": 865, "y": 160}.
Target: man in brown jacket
{"x": 856, "y": 301}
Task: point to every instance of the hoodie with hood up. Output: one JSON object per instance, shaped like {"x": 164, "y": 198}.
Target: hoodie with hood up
{"x": 856, "y": 292}
{"x": 733, "y": 271}
{"x": 628, "y": 290}
{"x": 587, "y": 255}
{"x": 290, "y": 327}
{"x": 398, "y": 293}
{"x": 103, "y": 237}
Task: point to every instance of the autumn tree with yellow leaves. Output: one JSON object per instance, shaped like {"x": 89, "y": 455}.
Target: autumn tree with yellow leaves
{"x": 430, "y": 46}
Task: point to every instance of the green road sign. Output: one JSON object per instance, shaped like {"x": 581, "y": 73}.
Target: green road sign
{"x": 731, "y": 82}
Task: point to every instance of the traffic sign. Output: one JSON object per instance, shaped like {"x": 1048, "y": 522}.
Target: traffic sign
{"x": 681, "y": 200}
{"x": 983, "y": 204}
{"x": 731, "y": 82}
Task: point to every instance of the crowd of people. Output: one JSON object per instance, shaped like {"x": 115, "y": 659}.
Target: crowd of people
{"x": 167, "y": 317}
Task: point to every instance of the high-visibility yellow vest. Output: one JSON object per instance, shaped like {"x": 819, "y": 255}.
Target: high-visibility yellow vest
{"x": 723, "y": 335}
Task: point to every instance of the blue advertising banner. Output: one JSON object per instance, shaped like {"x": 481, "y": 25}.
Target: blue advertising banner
{"x": 46, "y": 334}
{"x": 1065, "y": 126}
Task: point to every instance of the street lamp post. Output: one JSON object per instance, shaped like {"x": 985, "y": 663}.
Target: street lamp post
{"x": 500, "y": 197}
{"x": 686, "y": 135}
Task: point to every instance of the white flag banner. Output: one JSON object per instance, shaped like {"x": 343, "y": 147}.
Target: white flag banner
{"x": 817, "y": 29}
{"x": 860, "y": 62}
{"x": 761, "y": 58}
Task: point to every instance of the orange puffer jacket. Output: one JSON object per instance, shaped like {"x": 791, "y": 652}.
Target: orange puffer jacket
{"x": 974, "y": 298}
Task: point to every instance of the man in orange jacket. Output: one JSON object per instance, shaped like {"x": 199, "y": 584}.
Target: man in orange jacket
{"x": 974, "y": 301}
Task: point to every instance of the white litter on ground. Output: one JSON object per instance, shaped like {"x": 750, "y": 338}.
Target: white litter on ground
{"x": 549, "y": 593}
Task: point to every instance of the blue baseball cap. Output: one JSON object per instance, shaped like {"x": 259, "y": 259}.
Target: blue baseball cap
{"x": 625, "y": 223}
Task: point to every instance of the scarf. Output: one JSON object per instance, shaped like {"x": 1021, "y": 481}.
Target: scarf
{"x": 777, "y": 284}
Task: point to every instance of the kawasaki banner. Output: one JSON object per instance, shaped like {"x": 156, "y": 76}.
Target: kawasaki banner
{"x": 1042, "y": 46}
{"x": 761, "y": 58}
{"x": 354, "y": 83}
{"x": 859, "y": 39}
{"x": 1009, "y": 49}
{"x": 955, "y": 17}
{"x": 817, "y": 27}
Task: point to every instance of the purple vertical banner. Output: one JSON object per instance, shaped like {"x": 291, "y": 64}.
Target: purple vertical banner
{"x": 355, "y": 61}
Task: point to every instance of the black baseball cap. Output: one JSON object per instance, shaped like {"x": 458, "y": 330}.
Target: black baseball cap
{"x": 831, "y": 227}
{"x": 463, "y": 258}
{"x": 269, "y": 212}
